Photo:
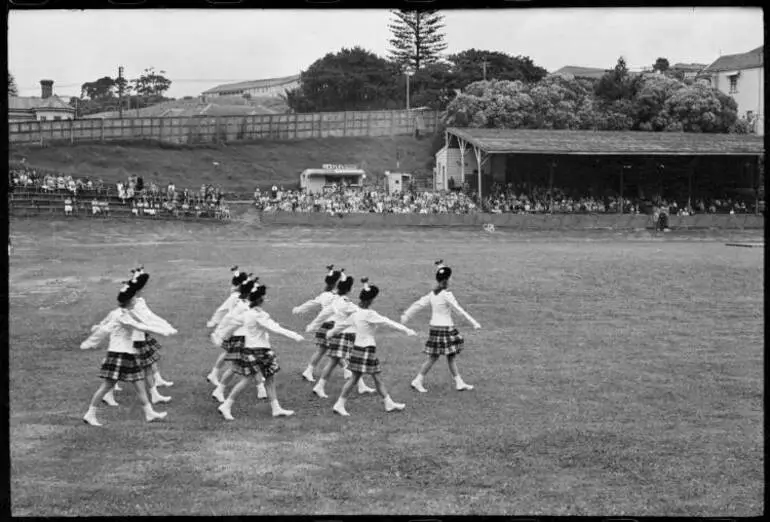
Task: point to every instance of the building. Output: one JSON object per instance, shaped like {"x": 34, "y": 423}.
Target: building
{"x": 591, "y": 73}
{"x": 686, "y": 71}
{"x": 270, "y": 87}
{"x": 45, "y": 108}
{"x": 741, "y": 76}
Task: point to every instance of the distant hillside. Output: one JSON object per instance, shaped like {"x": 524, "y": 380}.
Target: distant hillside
{"x": 214, "y": 106}
{"x": 241, "y": 166}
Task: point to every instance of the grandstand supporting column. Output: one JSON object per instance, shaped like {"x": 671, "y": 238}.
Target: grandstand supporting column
{"x": 462, "y": 144}
{"x": 481, "y": 159}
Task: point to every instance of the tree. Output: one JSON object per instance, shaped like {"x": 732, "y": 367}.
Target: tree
{"x": 468, "y": 67}
{"x": 431, "y": 87}
{"x": 492, "y": 104}
{"x": 617, "y": 84}
{"x": 661, "y": 64}
{"x": 151, "y": 83}
{"x": 650, "y": 102}
{"x": 352, "y": 79}
{"x": 101, "y": 89}
{"x": 417, "y": 39}
{"x": 700, "y": 108}
{"x": 12, "y": 89}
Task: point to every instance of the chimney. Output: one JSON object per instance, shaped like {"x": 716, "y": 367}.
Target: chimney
{"x": 47, "y": 88}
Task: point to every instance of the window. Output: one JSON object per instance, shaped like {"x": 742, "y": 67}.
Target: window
{"x": 733, "y": 84}
{"x": 43, "y": 118}
{"x": 56, "y": 118}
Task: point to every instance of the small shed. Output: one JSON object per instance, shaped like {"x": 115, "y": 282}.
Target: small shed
{"x": 315, "y": 180}
{"x": 396, "y": 181}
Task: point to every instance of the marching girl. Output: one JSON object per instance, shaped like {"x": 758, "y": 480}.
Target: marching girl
{"x": 363, "y": 356}
{"x": 148, "y": 347}
{"x": 324, "y": 299}
{"x": 257, "y": 356}
{"x": 340, "y": 344}
{"x": 122, "y": 360}
{"x": 444, "y": 338}
{"x": 237, "y": 280}
{"x": 233, "y": 343}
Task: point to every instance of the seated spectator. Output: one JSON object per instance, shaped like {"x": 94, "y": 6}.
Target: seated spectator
{"x": 68, "y": 206}
{"x": 96, "y": 208}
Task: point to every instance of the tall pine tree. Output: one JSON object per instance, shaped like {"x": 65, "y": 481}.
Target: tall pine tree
{"x": 12, "y": 89}
{"x": 417, "y": 39}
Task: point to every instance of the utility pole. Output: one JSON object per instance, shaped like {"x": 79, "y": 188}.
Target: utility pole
{"x": 120, "y": 91}
{"x": 484, "y": 65}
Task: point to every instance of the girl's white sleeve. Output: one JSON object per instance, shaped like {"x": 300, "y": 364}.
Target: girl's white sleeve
{"x": 129, "y": 320}
{"x": 415, "y": 307}
{"x": 221, "y": 312}
{"x": 374, "y": 317}
{"x": 99, "y": 333}
{"x": 454, "y": 304}
{"x": 270, "y": 325}
{"x": 306, "y": 306}
{"x": 339, "y": 327}
{"x": 142, "y": 312}
{"x": 228, "y": 326}
{"x": 326, "y": 313}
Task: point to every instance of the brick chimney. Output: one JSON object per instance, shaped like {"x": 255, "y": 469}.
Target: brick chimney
{"x": 47, "y": 88}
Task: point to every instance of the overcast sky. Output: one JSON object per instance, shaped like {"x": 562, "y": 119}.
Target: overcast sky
{"x": 199, "y": 49}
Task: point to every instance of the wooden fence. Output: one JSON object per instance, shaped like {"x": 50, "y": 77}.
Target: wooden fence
{"x": 210, "y": 129}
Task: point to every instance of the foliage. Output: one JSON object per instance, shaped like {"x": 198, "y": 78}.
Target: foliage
{"x": 650, "y": 102}
{"x": 700, "y": 108}
{"x": 101, "y": 89}
{"x": 417, "y": 38}
{"x": 352, "y": 79}
{"x": 467, "y": 67}
{"x": 617, "y": 84}
{"x": 12, "y": 88}
{"x": 661, "y": 64}
{"x": 431, "y": 87}
{"x": 151, "y": 83}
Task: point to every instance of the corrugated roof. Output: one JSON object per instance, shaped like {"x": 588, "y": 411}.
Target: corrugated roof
{"x": 25, "y": 103}
{"x": 254, "y": 84}
{"x": 689, "y": 66}
{"x": 526, "y": 141}
{"x": 729, "y": 62}
{"x": 584, "y": 72}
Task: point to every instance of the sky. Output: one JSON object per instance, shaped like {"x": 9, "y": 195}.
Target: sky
{"x": 199, "y": 49}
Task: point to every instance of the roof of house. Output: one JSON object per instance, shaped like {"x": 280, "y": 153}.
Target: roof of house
{"x": 619, "y": 143}
{"x": 731, "y": 62}
{"x": 30, "y": 103}
{"x": 585, "y": 72}
{"x": 254, "y": 84}
{"x": 688, "y": 66}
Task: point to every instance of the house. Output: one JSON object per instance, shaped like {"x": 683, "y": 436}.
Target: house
{"x": 686, "y": 71}
{"x": 269, "y": 87}
{"x": 592, "y": 73}
{"x": 741, "y": 76}
{"x": 46, "y": 107}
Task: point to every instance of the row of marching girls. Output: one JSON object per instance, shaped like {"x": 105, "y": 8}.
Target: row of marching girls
{"x": 133, "y": 353}
{"x": 345, "y": 332}
{"x": 242, "y": 330}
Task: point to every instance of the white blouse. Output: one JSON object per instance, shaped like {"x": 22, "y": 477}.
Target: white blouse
{"x": 223, "y": 309}
{"x": 364, "y": 323}
{"x": 119, "y": 326}
{"x": 441, "y": 305}
{"x": 142, "y": 312}
{"x": 257, "y": 325}
{"x": 338, "y": 310}
{"x": 323, "y": 300}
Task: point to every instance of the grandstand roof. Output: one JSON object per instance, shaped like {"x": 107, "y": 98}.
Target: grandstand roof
{"x": 618, "y": 143}
{"x": 254, "y": 84}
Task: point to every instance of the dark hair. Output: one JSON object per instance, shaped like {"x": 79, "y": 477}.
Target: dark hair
{"x": 344, "y": 287}
{"x": 370, "y": 293}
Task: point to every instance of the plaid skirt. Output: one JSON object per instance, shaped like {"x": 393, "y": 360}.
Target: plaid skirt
{"x": 444, "y": 340}
{"x": 320, "y": 335}
{"x": 340, "y": 345}
{"x": 251, "y": 361}
{"x": 152, "y": 341}
{"x": 363, "y": 359}
{"x": 148, "y": 353}
{"x": 233, "y": 347}
{"x": 119, "y": 366}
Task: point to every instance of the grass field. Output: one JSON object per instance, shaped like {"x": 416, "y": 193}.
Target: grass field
{"x": 243, "y": 166}
{"x": 614, "y": 376}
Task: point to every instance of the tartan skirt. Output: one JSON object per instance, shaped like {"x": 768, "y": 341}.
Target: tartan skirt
{"x": 119, "y": 366}
{"x": 363, "y": 359}
{"x": 147, "y": 352}
{"x": 233, "y": 347}
{"x": 152, "y": 341}
{"x": 340, "y": 345}
{"x": 444, "y": 340}
{"x": 320, "y": 335}
{"x": 252, "y": 361}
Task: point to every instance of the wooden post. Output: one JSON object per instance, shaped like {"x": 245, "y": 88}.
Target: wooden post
{"x": 551, "y": 168}
{"x": 690, "y": 169}
{"x": 72, "y": 131}
{"x": 392, "y": 122}
{"x": 622, "y": 168}
{"x": 320, "y": 126}
{"x": 345, "y": 123}
{"x": 758, "y": 181}
{"x": 369, "y": 123}
{"x": 462, "y": 143}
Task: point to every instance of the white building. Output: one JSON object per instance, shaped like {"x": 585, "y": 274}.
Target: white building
{"x": 47, "y": 107}
{"x": 741, "y": 76}
{"x": 270, "y": 87}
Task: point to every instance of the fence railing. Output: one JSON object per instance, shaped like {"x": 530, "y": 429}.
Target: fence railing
{"x": 216, "y": 129}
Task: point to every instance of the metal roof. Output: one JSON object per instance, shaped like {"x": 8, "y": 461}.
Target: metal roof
{"x": 586, "y": 142}
{"x": 749, "y": 60}
{"x": 254, "y": 84}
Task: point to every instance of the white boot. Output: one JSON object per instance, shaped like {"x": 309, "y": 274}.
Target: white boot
{"x": 212, "y": 378}
{"x": 117, "y": 387}
{"x": 261, "y": 391}
{"x": 280, "y": 412}
{"x": 90, "y": 417}
{"x": 308, "y": 374}
{"x": 156, "y": 397}
{"x": 109, "y": 399}
{"x": 460, "y": 384}
{"x": 318, "y": 389}
{"x": 339, "y": 407}
{"x": 390, "y": 405}
{"x": 347, "y": 374}
{"x": 363, "y": 388}
{"x": 152, "y": 415}
{"x": 160, "y": 381}
{"x": 224, "y": 409}
{"x": 417, "y": 384}
{"x": 219, "y": 393}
